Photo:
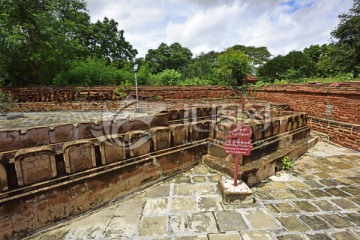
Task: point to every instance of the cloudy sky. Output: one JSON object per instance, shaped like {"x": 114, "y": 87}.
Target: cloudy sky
{"x": 205, "y": 25}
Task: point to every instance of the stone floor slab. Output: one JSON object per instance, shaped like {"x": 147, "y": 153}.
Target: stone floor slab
{"x": 257, "y": 236}
{"x": 202, "y": 223}
{"x": 156, "y": 206}
{"x": 318, "y": 236}
{"x": 225, "y": 236}
{"x": 153, "y": 226}
{"x": 230, "y": 221}
{"x": 178, "y": 224}
{"x": 336, "y": 221}
{"x": 122, "y": 227}
{"x": 209, "y": 204}
{"x": 261, "y": 220}
{"x": 205, "y": 189}
{"x": 290, "y": 237}
{"x": 183, "y": 204}
{"x": 292, "y": 223}
{"x": 183, "y": 189}
{"x": 315, "y": 222}
{"x": 344, "y": 236}
{"x": 129, "y": 207}
{"x": 159, "y": 191}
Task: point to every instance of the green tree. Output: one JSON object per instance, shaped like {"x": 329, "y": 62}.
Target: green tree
{"x": 104, "y": 40}
{"x": 231, "y": 67}
{"x": 273, "y": 69}
{"x": 293, "y": 66}
{"x": 202, "y": 67}
{"x": 168, "y": 57}
{"x": 347, "y": 34}
{"x": 38, "y": 37}
{"x": 258, "y": 55}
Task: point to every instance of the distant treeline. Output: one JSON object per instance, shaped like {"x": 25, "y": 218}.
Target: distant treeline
{"x": 53, "y": 42}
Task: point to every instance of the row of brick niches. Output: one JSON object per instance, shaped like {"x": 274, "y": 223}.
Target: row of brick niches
{"x": 38, "y": 164}
{"x": 14, "y": 139}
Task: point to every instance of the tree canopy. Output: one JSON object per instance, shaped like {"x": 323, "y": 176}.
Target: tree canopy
{"x": 347, "y": 34}
{"x": 40, "y": 38}
{"x": 172, "y": 56}
{"x": 45, "y": 42}
{"x": 232, "y": 66}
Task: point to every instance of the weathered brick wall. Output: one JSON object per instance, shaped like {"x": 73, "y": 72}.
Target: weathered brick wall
{"x": 334, "y": 109}
{"x": 66, "y": 94}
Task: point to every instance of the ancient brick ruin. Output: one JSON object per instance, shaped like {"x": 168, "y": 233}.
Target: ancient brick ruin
{"x": 51, "y": 173}
{"x": 333, "y": 109}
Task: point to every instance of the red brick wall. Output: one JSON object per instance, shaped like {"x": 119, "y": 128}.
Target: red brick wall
{"x": 66, "y": 94}
{"x": 334, "y": 109}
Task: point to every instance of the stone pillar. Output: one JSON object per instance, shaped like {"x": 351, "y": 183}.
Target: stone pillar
{"x": 112, "y": 148}
{"x": 161, "y": 137}
{"x": 34, "y": 165}
{"x": 79, "y": 156}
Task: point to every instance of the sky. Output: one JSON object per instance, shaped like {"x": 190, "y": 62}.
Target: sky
{"x": 214, "y": 25}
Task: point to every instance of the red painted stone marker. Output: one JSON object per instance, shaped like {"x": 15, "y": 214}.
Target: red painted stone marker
{"x": 239, "y": 143}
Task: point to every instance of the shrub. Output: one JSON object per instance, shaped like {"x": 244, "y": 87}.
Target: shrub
{"x": 170, "y": 77}
{"x": 6, "y": 102}
{"x": 88, "y": 72}
{"x": 166, "y": 77}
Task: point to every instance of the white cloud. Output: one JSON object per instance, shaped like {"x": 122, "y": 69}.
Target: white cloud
{"x": 205, "y": 25}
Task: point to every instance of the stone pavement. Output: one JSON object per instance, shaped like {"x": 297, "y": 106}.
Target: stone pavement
{"x": 53, "y": 118}
{"x": 48, "y": 119}
{"x": 318, "y": 199}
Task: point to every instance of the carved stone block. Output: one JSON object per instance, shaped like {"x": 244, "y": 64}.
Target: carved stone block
{"x": 79, "y": 156}
{"x": 112, "y": 148}
{"x": 139, "y": 142}
{"x": 161, "y": 137}
{"x": 34, "y": 165}
{"x": 179, "y": 133}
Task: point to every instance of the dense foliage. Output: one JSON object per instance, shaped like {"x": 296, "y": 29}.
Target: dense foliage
{"x": 41, "y": 38}
{"x": 45, "y": 42}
